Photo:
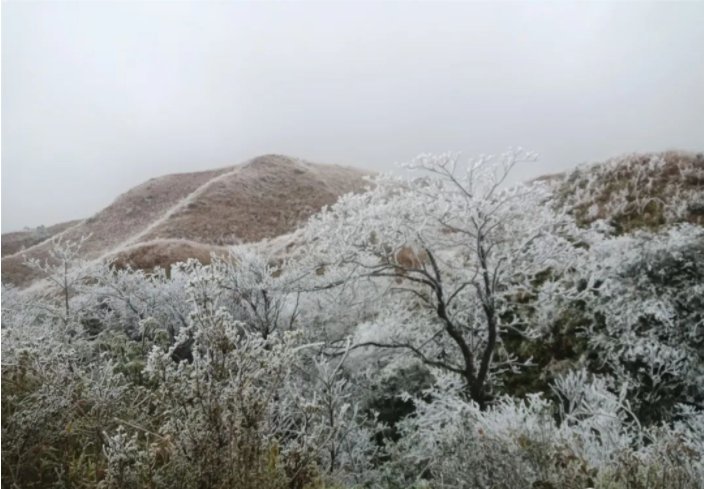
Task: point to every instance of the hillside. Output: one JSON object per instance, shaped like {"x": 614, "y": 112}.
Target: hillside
{"x": 388, "y": 349}
{"x": 17, "y": 241}
{"x": 636, "y": 191}
{"x": 189, "y": 215}
{"x": 171, "y": 218}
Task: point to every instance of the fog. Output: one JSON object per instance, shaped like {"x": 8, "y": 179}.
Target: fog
{"x": 98, "y": 97}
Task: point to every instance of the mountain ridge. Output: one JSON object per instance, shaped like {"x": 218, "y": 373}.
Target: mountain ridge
{"x": 197, "y": 212}
{"x": 266, "y": 199}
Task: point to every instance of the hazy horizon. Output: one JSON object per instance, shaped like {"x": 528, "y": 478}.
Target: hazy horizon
{"x": 99, "y": 97}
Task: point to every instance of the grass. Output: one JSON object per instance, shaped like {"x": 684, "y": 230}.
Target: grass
{"x": 638, "y": 191}
{"x": 187, "y": 215}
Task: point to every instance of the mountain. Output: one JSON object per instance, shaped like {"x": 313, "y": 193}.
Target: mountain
{"x": 179, "y": 216}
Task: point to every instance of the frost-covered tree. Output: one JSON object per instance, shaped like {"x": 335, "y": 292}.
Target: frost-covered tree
{"x": 447, "y": 252}
{"x": 65, "y": 270}
{"x": 259, "y": 293}
{"x": 331, "y": 420}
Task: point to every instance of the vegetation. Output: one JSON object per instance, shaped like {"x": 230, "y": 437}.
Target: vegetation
{"x": 437, "y": 331}
{"x": 640, "y": 191}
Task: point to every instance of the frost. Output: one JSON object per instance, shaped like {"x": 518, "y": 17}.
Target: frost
{"x": 440, "y": 330}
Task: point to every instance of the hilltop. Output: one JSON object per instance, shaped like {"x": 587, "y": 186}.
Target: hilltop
{"x": 636, "y": 191}
{"x": 175, "y": 217}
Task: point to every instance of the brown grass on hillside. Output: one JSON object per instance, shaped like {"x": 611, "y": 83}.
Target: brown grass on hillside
{"x": 267, "y": 197}
{"x": 19, "y": 240}
{"x": 129, "y": 214}
{"x": 137, "y": 208}
{"x": 15, "y": 272}
{"x": 164, "y": 253}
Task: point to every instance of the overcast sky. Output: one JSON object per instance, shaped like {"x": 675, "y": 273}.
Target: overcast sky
{"x": 98, "y": 97}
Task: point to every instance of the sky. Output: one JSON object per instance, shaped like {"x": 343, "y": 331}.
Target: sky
{"x": 98, "y": 97}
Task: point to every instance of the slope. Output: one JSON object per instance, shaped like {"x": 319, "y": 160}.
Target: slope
{"x": 190, "y": 214}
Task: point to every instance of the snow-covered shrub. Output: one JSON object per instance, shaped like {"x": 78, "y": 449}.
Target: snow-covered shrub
{"x": 638, "y": 191}
{"x": 649, "y": 317}
{"x": 332, "y": 425}
{"x": 246, "y": 407}
{"x": 57, "y": 398}
{"x": 220, "y": 416}
{"x": 592, "y": 441}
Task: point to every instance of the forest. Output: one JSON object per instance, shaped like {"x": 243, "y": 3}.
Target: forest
{"x": 442, "y": 329}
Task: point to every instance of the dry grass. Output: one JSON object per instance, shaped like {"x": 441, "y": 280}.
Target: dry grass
{"x": 637, "y": 191}
{"x": 20, "y": 240}
{"x": 267, "y": 197}
{"x": 191, "y": 214}
{"x": 164, "y": 253}
{"x": 136, "y": 209}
